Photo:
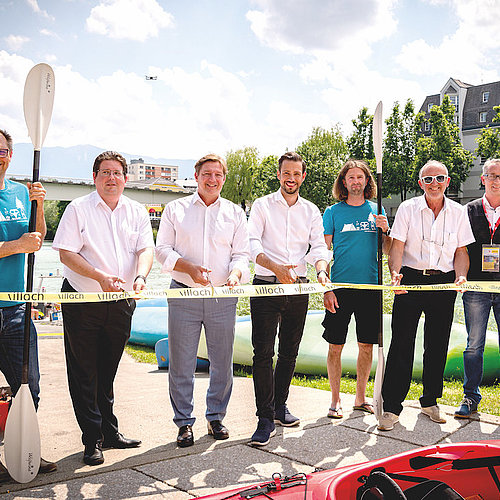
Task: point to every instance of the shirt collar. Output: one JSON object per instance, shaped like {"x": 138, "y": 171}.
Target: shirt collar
{"x": 487, "y": 204}
{"x": 197, "y": 199}
{"x": 422, "y": 204}
{"x": 279, "y": 198}
{"x": 99, "y": 201}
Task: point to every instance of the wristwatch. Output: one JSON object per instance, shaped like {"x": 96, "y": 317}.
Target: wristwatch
{"x": 321, "y": 271}
{"x": 388, "y": 232}
{"x": 140, "y": 276}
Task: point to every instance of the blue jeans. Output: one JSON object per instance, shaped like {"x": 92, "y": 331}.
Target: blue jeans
{"x": 477, "y": 306}
{"x": 11, "y": 350}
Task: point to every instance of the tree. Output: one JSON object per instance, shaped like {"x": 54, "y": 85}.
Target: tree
{"x": 324, "y": 152}
{"x": 265, "y": 178}
{"x": 53, "y": 210}
{"x": 444, "y": 145}
{"x": 399, "y": 150}
{"x": 241, "y": 167}
{"x": 360, "y": 143}
{"x": 489, "y": 140}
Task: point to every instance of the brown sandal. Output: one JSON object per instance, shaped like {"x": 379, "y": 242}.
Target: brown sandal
{"x": 335, "y": 412}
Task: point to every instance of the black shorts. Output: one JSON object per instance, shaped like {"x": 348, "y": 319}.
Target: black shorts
{"x": 365, "y": 304}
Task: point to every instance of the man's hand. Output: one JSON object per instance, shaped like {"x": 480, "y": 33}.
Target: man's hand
{"x": 330, "y": 301}
{"x": 199, "y": 274}
{"x": 36, "y": 191}
{"x": 232, "y": 280}
{"x": 460, "y": 281}
{"x": 30, "y": 242}
{"x": 110, "y": 283}
{"x": 139, "y": 284}
{"x": 396, "y": 281}
{"x": 285, "y": 274}
{"x": 323, "y": 278}
{"x": 382, "y": 223}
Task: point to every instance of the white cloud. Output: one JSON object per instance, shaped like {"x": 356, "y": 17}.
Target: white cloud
{"x": 319, "y": 25}
{"x": 470, "y": 53}
{"x": 15, "y": 42}
{"x": 34, "y": 5}
{"x": 49, "y": 33}
{"x": 129, "y": 19}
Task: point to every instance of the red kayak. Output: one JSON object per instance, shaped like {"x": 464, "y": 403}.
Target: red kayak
{"x": 448, "y": 471}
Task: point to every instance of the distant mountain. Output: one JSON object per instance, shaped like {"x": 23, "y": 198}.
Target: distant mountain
{"x": 76, "y": 162}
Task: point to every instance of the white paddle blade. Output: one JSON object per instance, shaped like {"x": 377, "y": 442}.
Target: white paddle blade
{"x": 377, "y": 136}
{"x": 22, "y": 438}
{"x": 38, "y": 102}
{"x": 378, "y": 402}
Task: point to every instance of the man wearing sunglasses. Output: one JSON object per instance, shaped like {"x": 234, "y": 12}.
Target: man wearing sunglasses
{"x": 484, "y": 216}
{"x": 430, "y": 235}
{"x": 15, "y": 243}
{"x": 105, "y": 242}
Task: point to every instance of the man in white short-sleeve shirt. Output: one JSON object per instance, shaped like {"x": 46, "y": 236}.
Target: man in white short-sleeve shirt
{"x": 430, "y": 235}
{"x": 105, "y": 242}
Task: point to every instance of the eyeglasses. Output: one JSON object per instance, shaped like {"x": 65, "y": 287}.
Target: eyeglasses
{"x": 107, "y": 173}
{"x": 429, "y": 178}
{"x": 4, "y": 153}
{"x": 491, "y": 177}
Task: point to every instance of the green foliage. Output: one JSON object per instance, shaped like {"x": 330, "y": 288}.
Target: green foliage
{"x": 324, "y": 152}
{"x": 489, "y": 140}
{"x": 360, "y": 143}
{"x": 399, "y": 150}
{"x": 444, "y": 145}
{"x": 53, "y": 210}
{"x": 241, "y": 167}
{"x": 265, "y": 178}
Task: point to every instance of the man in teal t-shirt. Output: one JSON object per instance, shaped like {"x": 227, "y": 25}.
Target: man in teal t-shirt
{"x": 350, "y": 228}
{"x": 15, "y": 243}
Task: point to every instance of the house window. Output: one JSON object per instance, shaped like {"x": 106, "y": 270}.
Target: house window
{"x": 482, "y": 116}
{"x": 427, "y": 126}
{"x": 486, "y": 96}
{"x": 429, "y": 106}
{"x": 454, "y": 101}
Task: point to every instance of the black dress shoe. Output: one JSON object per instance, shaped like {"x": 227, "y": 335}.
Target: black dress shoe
{"x": 218, "y": 430}
{"x": 185, "y": 437}
{"x": 92, "y": 455}
{"x": 120, "y": 441}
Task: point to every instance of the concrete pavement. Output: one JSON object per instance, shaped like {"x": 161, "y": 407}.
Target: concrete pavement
{"x": 158, "y": 469}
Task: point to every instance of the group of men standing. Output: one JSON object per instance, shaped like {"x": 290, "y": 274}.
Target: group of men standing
{"x": 105, "y": 242}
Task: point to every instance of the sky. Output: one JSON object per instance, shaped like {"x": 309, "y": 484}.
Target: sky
{"x": 234, "y": 73}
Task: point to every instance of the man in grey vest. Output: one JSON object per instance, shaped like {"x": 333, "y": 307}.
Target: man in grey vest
{"x": 484, "y": 217}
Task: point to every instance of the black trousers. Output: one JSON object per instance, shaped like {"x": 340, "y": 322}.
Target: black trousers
{"x": 438, "y": 308}
{"x": 288, "y": 312}
{"x": 95, "y": 335}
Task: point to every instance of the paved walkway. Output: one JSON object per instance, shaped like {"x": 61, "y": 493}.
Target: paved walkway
{"x": 158, "y": 469}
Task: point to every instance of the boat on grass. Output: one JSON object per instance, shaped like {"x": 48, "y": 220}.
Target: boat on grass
{"x": 149, "y": 324}
{"x": 448, "y": 471}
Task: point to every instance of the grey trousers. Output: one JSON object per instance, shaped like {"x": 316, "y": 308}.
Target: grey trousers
{"x": 185, "y": 319}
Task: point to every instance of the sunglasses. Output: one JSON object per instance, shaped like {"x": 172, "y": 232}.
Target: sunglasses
{"x": 429, "y": 178}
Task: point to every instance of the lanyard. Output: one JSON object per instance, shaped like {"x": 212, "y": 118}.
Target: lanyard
{"x": 492, "y": 230}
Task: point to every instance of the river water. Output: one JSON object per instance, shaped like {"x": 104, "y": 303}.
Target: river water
{"x": 47, "y": 262}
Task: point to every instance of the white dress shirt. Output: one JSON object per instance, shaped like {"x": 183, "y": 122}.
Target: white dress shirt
{"x": 284, "y": 233}
{"x": 492, "y": 214}
{"x": 107, "y": 239}
{"x": 214, "y": 236}
{"x": 431, "y": 242}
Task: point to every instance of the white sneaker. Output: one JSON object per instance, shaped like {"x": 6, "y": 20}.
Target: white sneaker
{"x": 433, "y": 413}
{"x": 387, "y": 421}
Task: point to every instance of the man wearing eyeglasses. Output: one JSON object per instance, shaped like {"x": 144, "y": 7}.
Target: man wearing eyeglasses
{"x": 105, "y": 242}
{"x": 15, "y": 242}
{"x": 430, "y": 235}
{"x": 484, "y": 216}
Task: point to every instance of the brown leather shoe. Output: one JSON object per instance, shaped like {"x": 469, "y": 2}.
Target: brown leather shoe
{"x": 185, "y": 437}
{"x": 218, "y": 430}
{"x": 46, "y": 466}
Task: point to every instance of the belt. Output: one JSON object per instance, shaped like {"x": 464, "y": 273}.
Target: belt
{"x": 274, "y": 279}
{"x": 427, "y": 272}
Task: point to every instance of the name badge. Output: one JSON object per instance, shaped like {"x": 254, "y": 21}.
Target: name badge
{"x": 491, "y": 258}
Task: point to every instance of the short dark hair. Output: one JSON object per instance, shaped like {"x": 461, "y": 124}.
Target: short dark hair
{"x": 339, "y": 190}
{"x": 292, "y": 156}
{"x": 110, "y": 155}
{"x": 211, "y": 157}
{"x": 8, "y": 138}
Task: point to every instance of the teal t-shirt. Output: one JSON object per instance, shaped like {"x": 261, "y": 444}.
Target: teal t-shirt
{"x": 15, "y": 209}
{"x": 354, "y": 242}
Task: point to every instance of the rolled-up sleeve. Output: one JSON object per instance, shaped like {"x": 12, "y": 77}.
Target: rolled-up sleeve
{"x": 241, "y": 248}
{"x": 318, "y": 249}
{"x": 165, "y": 242}
{"x": 256, "y": 226}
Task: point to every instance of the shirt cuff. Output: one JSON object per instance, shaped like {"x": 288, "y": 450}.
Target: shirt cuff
{"x": 170, "y": 261}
